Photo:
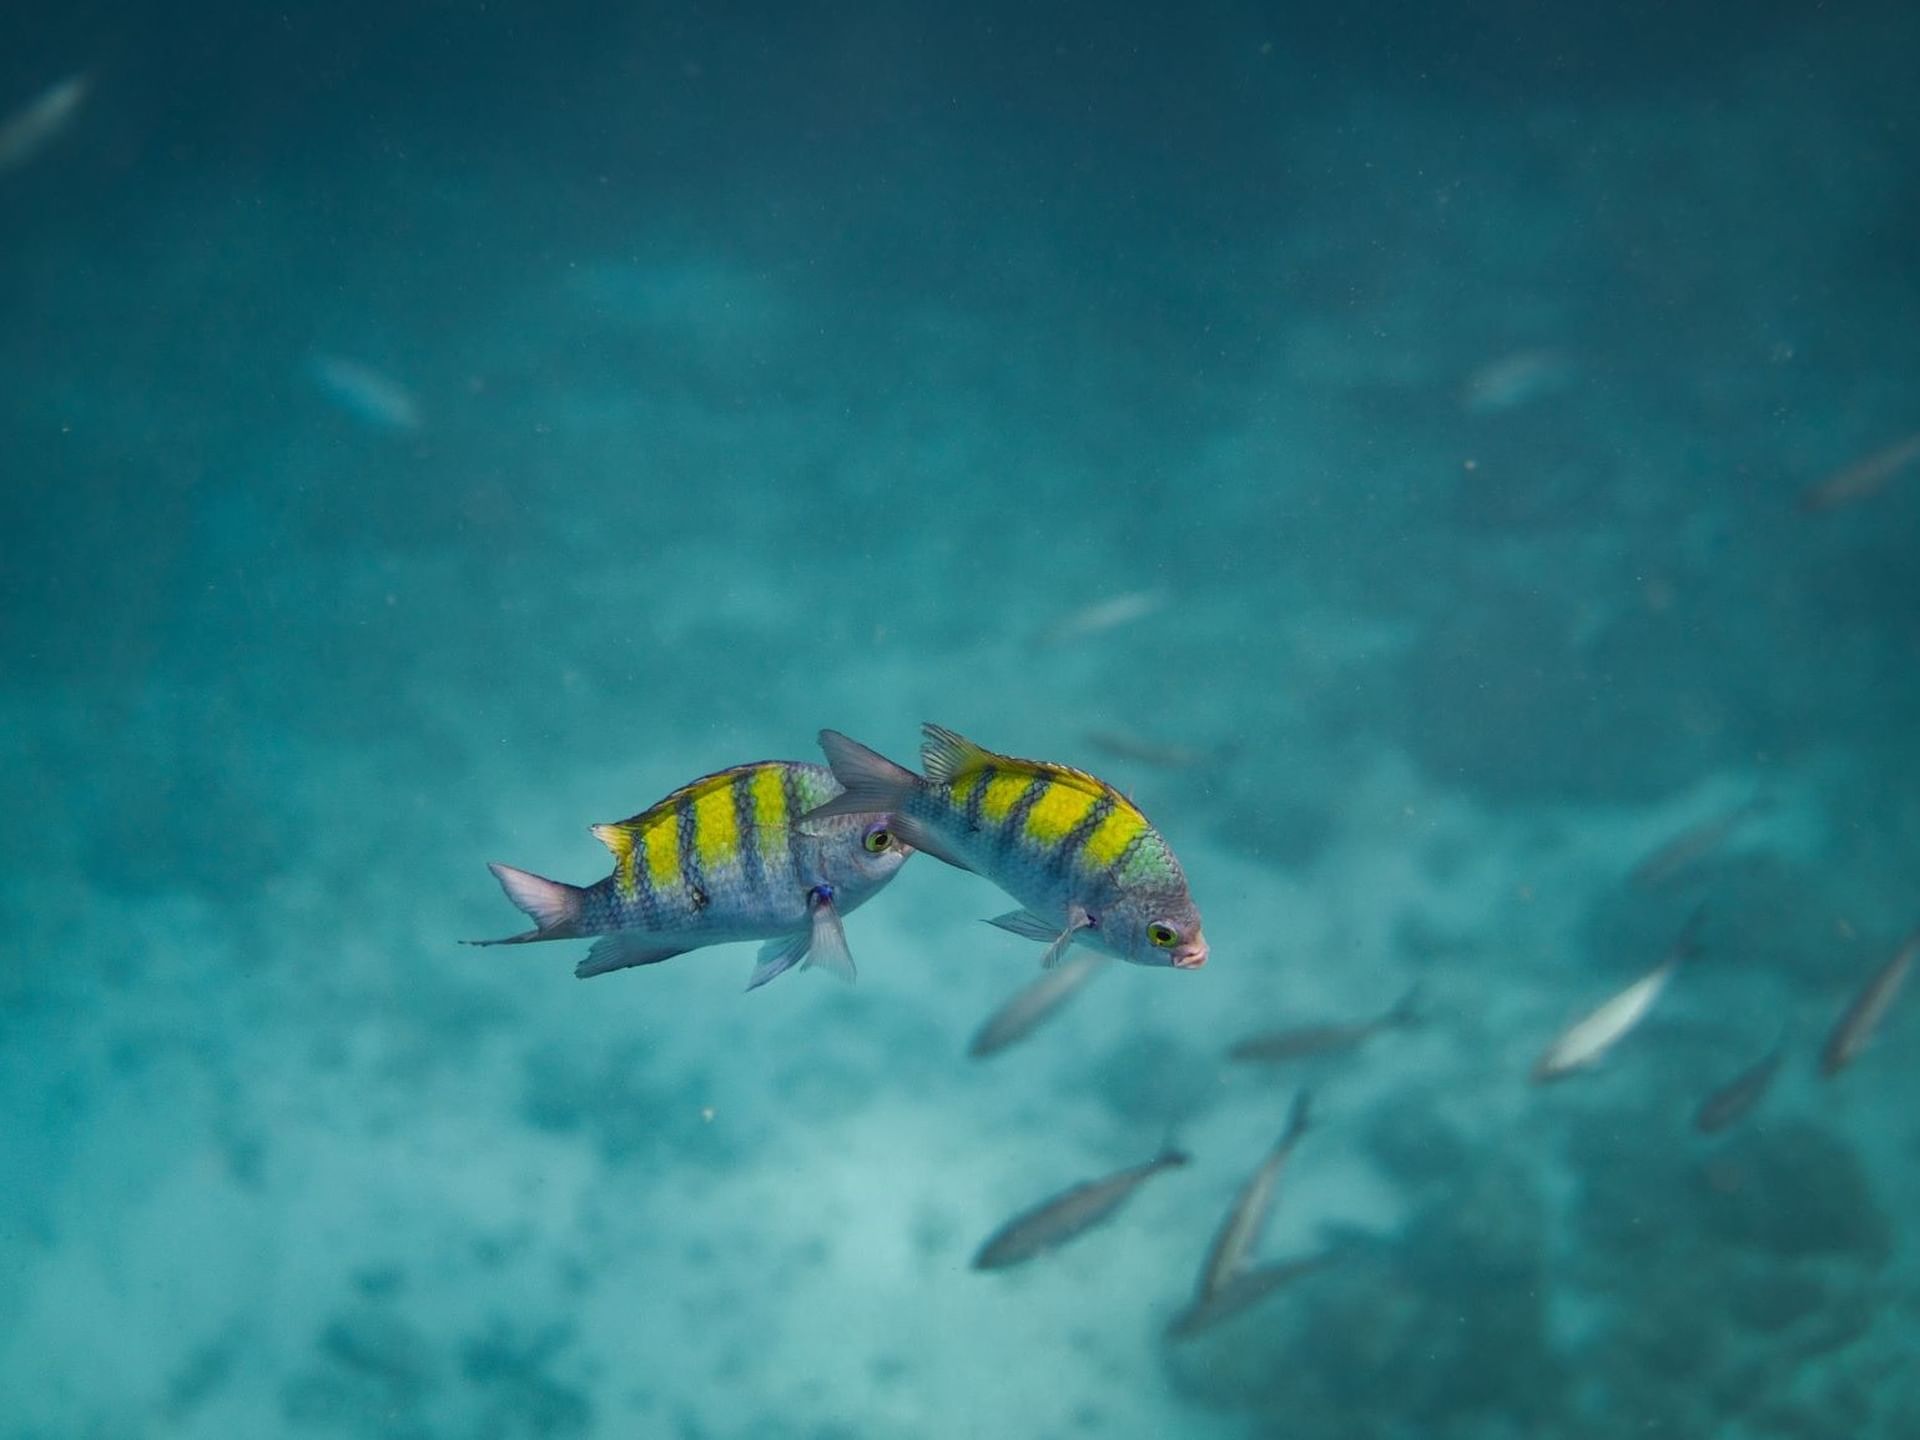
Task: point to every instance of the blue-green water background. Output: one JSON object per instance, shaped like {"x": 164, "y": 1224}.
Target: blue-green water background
{"x": 1445, "y": 380}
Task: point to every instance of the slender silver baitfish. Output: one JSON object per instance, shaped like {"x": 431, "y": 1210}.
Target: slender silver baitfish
{"x": 1035, "y": 1004}
{"x": 1244, "y": 1290}
{"x": 1239, "y": 1234}
{"x": 1072, "y": 849}
{"x": 1303, "y": 1042}
{"x": 1585, "y": 1042}
{"x": 717, "y": 861}
{"x": 1857, "y": 1024}
{"x": 1052, "y": 1223}
{"x": 1731, "y": 1102}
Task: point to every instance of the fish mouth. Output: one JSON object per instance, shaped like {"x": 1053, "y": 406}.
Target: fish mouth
{"x": 1190, "y": 956}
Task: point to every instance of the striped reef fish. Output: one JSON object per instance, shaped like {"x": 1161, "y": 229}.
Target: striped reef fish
{"x": 1073, "y": 850}
{"x": 1052, "y": 1223}
{"x": 717, "y": 861}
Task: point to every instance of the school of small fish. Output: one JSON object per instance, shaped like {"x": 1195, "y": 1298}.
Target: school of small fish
{"x": 779, "y": 851}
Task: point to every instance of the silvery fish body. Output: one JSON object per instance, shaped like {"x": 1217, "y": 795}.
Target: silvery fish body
{"x": 717, "y": 861}
{"x": 1076, "y": 853}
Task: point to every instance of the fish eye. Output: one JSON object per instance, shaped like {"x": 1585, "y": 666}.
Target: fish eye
{"x": 1162, "y": 935}
{"x": 878, "y": 839}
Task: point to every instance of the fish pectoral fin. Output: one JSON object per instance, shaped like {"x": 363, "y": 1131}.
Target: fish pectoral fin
{"x": 624, "y": 949}
{"x": 1077, "y": 920}
{"x": 779, "y": 956}
{"x": 827, "y": 943}
{"x": 1027, "y": 925}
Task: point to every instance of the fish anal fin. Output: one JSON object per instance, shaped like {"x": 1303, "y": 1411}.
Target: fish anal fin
{"x": 624, "y": 949}
{"x": 778, "y": 956}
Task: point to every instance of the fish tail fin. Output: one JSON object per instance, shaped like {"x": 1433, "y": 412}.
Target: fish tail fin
{"x": 1297, "y": 1120}
{"x": 1687, "y": 945}
{"x": 872, "y": 784}
{"x": 554, "y": 907}
{"x": 1406, "y": 1011}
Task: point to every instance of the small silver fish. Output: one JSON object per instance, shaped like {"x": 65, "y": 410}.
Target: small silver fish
{"x": 1122, "y": 745}
{"x": 1243, "y": 1291}
{"x": 1693, "y": 845}
{"x": 1857, "y": 1023}
{"x": 1585, "y": 1043}
{"x": 1515, "y": 379}
{"x": 1732, "y": 1101}
{"x": 1303, "y": 1042}
{"x": 1035, "y": 1004}
{"x": 1101, "y": 616}
{"x": 375, "y": 399}
{"x": 1052, "y": 1223}
{"x": 38, "y": 123}
{"x": 1246, "y": 1219}
{"x": 1863, "y": 479}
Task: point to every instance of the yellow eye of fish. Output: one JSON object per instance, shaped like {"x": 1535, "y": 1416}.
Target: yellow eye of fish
{"x": 878, "y": 839}
{"x": 1162, "y": 935}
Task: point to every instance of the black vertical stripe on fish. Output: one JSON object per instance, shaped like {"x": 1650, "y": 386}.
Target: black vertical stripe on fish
{"x": 796, "y": 807}
{"x": 976, "y": 797}
{"x": 1076, "y": 839}
{"x": 691, "y": 874}
{"x": 643, "y": 884}
{"x": 752, "y": 866}
{"x": 1015, "y": 821}
{"x": 1121, "y": 861}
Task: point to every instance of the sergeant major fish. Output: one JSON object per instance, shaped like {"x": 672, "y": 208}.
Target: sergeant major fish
{"x": 721, "y": 860}
{"x": 1074, "y": 851}
{"x": 1052, "y": 1223}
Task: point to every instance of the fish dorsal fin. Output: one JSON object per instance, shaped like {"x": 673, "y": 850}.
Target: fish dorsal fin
{"x": 624, "y": 837}
{"x": 945, "y": 756}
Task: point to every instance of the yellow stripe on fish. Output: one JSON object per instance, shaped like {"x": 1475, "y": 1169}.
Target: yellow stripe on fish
{"x": 1112, "y": 836}
{"x": 769, "y": 798}
{"x": 716, "y": 827}
{"x": 1058, "y": 809}
{"x": 653, "y": 837}
{"x": 1004, "y": 791}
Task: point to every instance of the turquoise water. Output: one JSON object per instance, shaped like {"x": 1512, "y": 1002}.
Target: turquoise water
{"x": 1430, "y": 458}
